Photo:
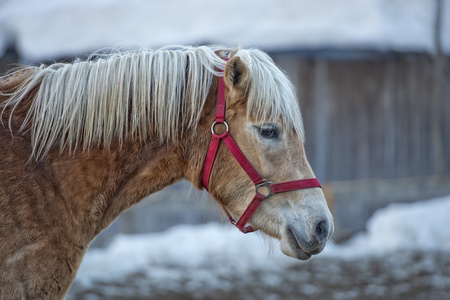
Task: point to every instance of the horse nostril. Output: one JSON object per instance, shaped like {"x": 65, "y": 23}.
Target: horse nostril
{"x": 321, "y": 231}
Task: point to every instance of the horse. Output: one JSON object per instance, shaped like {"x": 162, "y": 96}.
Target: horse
{"x": 83, "y": 141}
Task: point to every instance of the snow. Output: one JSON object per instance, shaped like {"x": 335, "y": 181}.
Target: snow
{"x": 421, "y": 226}
{"x": 415, "y": 226}
{"x": 184, "y": 246}
{"x": 47, "y": 29}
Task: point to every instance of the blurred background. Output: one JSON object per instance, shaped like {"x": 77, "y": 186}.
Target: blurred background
{"x": 373, "y": 82}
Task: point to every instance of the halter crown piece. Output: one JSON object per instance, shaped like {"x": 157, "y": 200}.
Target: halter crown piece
{"x": 259, "y": 182}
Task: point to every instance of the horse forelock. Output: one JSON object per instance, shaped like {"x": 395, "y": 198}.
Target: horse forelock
{"x": 271, "y": 95}
{"x": 115, "y": 96}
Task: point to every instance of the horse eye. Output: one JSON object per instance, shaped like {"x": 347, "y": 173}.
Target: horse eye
{"x": 269, "y": 131}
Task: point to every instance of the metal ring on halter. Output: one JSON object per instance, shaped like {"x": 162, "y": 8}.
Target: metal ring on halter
{"x": 212, "y": 126}
{"x": 266, "y": 184}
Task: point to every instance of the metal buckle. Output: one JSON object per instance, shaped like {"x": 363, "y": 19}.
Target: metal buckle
{"x": 267, "y": 184}
{"x": 213, "y": 124}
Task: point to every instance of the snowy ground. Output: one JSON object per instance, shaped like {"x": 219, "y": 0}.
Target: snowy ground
{"x": 405, "y": 254}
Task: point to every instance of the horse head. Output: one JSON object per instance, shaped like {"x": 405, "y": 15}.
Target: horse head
{"x": 264, "y": 120}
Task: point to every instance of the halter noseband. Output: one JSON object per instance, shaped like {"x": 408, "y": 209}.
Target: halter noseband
{"x": 272, "y": 188}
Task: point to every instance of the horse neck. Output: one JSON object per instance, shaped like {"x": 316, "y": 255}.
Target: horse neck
{"x": 104, "y": 183}
{"x": 101, "y": 184}
{"x": 97, "y": 185}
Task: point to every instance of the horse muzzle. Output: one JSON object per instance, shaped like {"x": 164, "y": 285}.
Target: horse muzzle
{"x": 302, "y": 244}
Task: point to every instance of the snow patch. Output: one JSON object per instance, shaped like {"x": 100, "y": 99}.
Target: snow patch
{"x": 416, "y": 226}
{"x": 402, "y": 226}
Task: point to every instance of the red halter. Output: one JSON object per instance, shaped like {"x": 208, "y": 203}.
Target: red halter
{"x": 273, "y": 188}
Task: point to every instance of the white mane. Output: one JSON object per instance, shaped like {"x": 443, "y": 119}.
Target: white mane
{"x": 123, "y": 95}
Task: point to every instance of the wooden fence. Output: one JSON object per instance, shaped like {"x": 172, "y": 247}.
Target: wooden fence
{"x": 373, "y": 118}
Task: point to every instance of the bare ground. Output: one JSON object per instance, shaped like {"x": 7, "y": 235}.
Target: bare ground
{"x": 409, "y": 275}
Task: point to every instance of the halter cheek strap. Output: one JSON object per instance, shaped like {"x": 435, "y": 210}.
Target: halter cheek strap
{"x": 271, "y": 188}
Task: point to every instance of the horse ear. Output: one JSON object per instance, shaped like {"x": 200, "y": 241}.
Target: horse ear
{"x": 236, "y": 77}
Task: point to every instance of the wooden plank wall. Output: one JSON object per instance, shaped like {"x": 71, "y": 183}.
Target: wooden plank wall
{"x": 373, "y": 118}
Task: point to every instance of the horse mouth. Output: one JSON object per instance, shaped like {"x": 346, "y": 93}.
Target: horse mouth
{"x": 292, "y": 247}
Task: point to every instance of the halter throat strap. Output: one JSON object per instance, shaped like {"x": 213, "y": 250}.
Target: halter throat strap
{"x": 269, "y": 187}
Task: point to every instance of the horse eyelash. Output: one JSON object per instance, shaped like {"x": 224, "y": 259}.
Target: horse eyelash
{"x": 275, "y": 130}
